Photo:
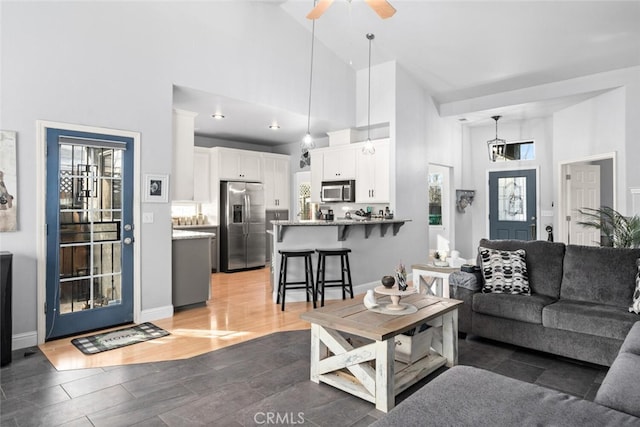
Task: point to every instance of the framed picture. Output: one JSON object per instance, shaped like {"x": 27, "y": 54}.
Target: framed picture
{"x": 156, "y": 188}
{"x": 8, "y": 181}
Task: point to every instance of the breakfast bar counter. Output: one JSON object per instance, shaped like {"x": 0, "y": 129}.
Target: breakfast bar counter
{"x": 377, "y": 247}
{"x": 343, "y": 226}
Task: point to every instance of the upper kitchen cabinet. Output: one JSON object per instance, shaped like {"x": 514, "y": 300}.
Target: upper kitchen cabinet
{"x": 339, "y": 163}
{"x": 201, "y": 175}
{"x": 183, "y": 150}
{"x": 239, "y": 165}
{"x": 275, "y": 172}
{"x": 372, "y": 174}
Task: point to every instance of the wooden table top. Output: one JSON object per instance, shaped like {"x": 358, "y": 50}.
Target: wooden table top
{"x": 352, "y": 316}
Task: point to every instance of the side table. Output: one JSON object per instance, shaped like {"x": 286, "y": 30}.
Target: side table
{"x": 439, "y": 286}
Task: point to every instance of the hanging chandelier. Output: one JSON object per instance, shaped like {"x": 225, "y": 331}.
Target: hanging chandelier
{"x": 497, "y": 147}
{"x": 368, "y": 147}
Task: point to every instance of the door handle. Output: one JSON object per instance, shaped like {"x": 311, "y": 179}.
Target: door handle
{"x": 532, "y": 230}
{"x": 128, "y": 240}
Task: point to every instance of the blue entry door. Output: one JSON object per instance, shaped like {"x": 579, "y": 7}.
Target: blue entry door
{"x": 89, "y": 214}
{"x": 512, "y": 205}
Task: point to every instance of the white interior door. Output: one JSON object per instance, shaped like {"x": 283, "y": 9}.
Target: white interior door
{"x": 583, "y": 191}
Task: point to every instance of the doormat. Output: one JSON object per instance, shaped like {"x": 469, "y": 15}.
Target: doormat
{"x": 121, "y": 338}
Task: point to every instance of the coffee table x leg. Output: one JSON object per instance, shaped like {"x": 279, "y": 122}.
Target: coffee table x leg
{"x": 348, "y": 367}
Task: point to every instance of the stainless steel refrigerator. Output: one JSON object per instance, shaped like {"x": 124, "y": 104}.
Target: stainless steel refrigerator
{"x": 242, "y": 225}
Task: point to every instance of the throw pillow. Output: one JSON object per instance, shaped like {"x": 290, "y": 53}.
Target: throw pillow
{"x": 504, "y": 272}
{"x": 635, "y": 306}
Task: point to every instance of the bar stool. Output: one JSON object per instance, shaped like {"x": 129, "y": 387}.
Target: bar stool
{"x": 345, "y": 273}
{"x": 306, "y": 284}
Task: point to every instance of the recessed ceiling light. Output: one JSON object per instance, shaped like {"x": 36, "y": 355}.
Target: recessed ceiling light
{"x": 218, "y": 116}
{"x": 274, "y": 126}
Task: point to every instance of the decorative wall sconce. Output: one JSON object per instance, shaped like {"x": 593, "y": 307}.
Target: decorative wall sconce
{"x": 464, "y": 198}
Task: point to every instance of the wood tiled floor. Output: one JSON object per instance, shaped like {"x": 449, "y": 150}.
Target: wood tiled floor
{"x": 235, "y": 385}
{"x": 241, "y": 308}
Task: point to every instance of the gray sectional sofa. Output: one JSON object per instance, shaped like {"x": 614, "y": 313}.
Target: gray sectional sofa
{"x": 467, "y": 396}
{"x": 578, "y": 306}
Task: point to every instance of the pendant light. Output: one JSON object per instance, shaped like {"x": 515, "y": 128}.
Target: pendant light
{"x": 307, "y": 141}
{"x": 497, "y": 147}
{"x": 368, "y": 147}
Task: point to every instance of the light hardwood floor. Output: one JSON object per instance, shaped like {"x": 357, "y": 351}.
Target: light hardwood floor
{"x": 241, "y": 308}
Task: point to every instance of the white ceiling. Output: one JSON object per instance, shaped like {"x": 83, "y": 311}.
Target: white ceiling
{"x": 456, "y": 50}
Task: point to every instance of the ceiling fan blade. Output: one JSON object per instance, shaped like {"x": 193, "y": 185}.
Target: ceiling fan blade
{"x": 382, "y": 7}
{"x": 319, "y": 9}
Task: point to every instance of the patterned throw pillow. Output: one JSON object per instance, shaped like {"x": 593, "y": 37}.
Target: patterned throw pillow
{"x": 635, "y": 306}
{"x": 505, "y": 272}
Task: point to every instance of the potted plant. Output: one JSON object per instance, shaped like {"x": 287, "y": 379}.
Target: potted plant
{"x": 620, "y": 231}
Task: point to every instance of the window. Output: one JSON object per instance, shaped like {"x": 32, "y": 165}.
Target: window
{"x": 435, "y": 199}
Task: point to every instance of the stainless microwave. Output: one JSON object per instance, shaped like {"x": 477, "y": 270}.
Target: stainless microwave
{"x": 338, "y": 191}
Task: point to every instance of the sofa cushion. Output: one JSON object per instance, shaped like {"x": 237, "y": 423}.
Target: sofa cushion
{"x": 599, "y": 274}
{"x": 588, "y": 318}
{"x": 467, "y": 396}
{"x": 504, "y": 272}
{"x": 621, "y": 386}
{"x": 631, "y": 343}
{"x": 544, "y": 262}
{"x": 515, "y": 307}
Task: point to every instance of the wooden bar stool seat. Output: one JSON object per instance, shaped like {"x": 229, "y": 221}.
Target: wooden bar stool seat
{"x": 343, "y": 282}
{"x": 306, "y": 284}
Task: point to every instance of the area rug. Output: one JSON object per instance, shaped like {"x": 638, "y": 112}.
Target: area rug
{"x": 120, "y": 338}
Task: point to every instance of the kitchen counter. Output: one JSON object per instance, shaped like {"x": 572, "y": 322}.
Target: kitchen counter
{"x": 189, "y": 234}
{"x": 191, "y": 267}
{"x": 377, "y": 247}
{"x": 344, "y": 225}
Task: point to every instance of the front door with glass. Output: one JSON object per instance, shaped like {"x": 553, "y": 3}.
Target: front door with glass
{"x": 512, "y": 205}
{"x": 89, "y": 216}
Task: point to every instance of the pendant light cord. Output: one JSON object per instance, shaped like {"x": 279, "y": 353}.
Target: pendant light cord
{"x": 370, "y": 37}
{"x": 313, "y": 37}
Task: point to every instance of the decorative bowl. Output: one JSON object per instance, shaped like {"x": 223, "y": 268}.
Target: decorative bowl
{"x": 388, "y": 281}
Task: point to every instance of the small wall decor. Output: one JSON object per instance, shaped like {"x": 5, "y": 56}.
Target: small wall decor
{"x": 464, "y": 198}
{"x": 8, "y": 182}
{"x": 156, "y": 188}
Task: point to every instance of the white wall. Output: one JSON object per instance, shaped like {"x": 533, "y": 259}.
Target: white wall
{"x": 595, "y": 126}
{"x": 114, "y": 65}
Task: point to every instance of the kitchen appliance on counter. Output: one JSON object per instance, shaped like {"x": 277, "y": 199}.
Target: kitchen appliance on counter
{"x": 242, "y": 225}
{"x": 338, "y": 191}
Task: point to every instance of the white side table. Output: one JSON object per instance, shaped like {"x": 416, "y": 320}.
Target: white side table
{"x": 439, "y": 285}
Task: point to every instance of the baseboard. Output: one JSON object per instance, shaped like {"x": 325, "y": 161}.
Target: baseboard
{"x": 156, "y": 313}
{"x": 24, "y": 340}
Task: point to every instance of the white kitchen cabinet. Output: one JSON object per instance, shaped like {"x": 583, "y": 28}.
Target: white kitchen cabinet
{"x": 339, "y": 163}
{"x": 239, "y": 165}
{"x": 372, "y": 174}
{"x": 201, "y": 175}
{"x": 182, "y": 165}
{"x": 276, "y": 180}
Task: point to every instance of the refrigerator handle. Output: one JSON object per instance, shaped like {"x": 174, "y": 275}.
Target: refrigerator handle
{"x": 247, "y": 215}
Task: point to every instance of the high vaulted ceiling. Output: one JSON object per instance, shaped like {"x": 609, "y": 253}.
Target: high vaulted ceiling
{"x": 464, "y": 49}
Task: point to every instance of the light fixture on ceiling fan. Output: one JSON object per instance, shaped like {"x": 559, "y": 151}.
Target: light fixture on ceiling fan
{"x": 497, "y": 147}
{"x": 382, "y": 7}
{"x": 368, "y": 147}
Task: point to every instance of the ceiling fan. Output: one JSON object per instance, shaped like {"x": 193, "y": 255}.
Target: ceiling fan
{"x": 382, "y": 7}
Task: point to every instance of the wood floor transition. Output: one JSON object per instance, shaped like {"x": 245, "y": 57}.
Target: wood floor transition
{"x": 241, "y": 308}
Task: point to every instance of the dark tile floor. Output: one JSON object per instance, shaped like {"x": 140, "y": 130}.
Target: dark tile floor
{"x": 260, "y": 382}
